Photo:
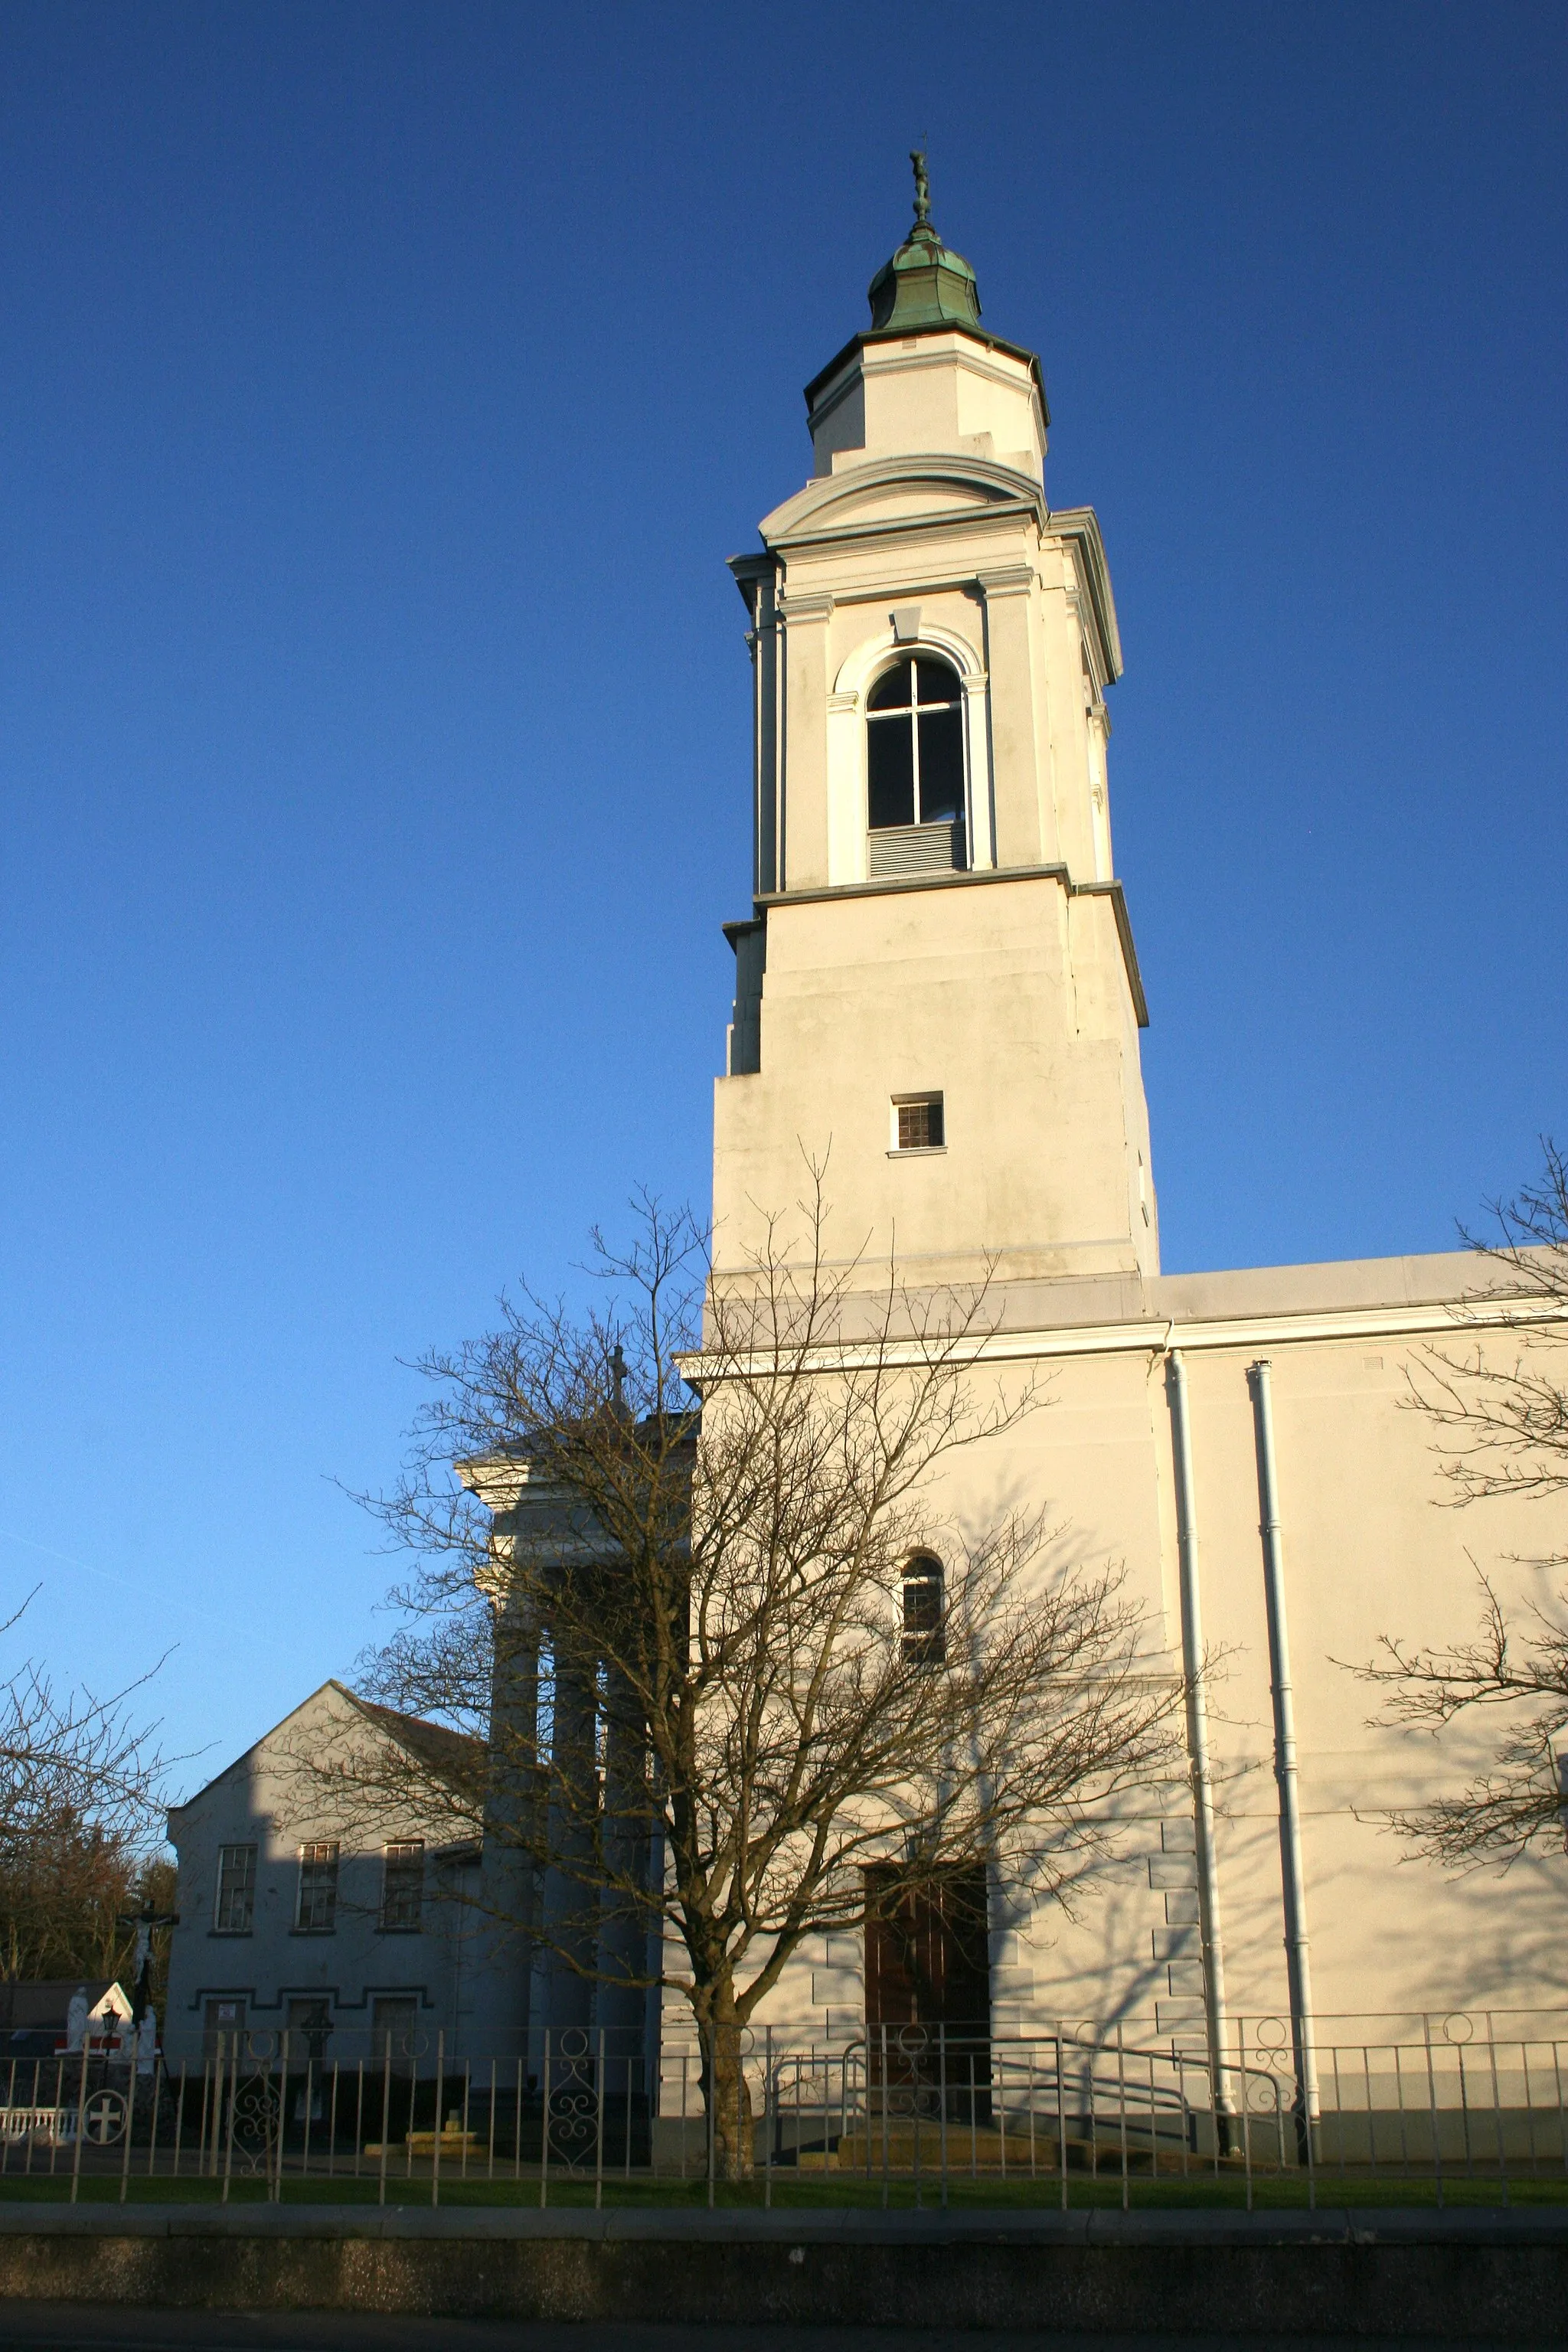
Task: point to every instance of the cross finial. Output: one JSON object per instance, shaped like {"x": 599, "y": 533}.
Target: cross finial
{"x": 618, "y": 1369}
{"x": 922, "y": 188}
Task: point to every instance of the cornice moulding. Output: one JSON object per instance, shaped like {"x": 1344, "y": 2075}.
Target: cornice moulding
{"x": 1004, "y": 485}
{"x": 1118, "y": 897}
{"x": 1080, "y": 525}
{"x": 1007, "y": 580}
{"x": 1157, "y": 1338}
{"x": 913, "y": 530}
{"x": 806, "y": 604}
{"x": 889, "y": 886}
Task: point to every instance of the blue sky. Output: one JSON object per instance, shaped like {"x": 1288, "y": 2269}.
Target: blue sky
{"x": 381, "y": 389}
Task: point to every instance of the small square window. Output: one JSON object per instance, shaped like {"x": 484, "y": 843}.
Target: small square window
{"x": 918, "y": 1123}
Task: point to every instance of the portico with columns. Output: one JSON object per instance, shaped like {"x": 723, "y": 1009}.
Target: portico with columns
{"x": 562, "y": 1697}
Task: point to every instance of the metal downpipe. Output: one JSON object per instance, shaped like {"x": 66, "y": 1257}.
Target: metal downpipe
{"x": 1215, "y": 2020}
{"x": 1297, "y": 1967}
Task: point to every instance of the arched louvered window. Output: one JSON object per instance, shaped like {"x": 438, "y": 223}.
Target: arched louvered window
{"x": 925, "y": 1609}
{"x": 914, "y": 766}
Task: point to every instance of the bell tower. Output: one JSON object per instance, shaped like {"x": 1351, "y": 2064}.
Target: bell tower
{"x": 936, "y": 991}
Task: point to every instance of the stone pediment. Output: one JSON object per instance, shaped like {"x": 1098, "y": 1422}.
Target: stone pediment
{"x": 896, "y": 494}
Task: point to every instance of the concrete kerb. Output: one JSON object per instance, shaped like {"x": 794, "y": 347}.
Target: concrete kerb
{"x": 1465, "y": 2274}
{"x": 1337, "y": 2225}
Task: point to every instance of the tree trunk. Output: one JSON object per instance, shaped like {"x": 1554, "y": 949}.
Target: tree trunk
{"x": 727, "y": 2091}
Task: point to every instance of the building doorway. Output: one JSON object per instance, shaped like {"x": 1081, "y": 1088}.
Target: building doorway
{"x": 394, "y": 2033}
{"x": 928, "y": 1990}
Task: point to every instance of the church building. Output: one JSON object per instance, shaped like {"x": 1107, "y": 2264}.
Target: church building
{"x": 937, "y": 999}
{"x": 937, "y": 1005}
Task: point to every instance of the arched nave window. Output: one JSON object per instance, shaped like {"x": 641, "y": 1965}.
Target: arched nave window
{"x": 925, "y": 1609}
{"x": 914, "y": 757}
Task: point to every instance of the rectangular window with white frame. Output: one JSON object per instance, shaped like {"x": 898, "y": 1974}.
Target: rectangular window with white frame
{"x": 233, "y": 1911}
{"x": 317, "y": 1914}
{"x": 402, "y": 1887}
{"x": 918, "y": 1124}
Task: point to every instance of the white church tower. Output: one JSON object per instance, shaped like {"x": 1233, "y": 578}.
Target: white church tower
{"x": 937, "y": 992}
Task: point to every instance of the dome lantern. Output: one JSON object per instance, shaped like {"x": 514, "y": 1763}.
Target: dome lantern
{"x": 925, "y": 284}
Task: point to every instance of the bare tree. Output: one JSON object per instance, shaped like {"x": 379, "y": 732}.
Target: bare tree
{"x": 667, "y": 1580}
{"x": 1500, "y": 1419}
{"x": 81, "y": 1793}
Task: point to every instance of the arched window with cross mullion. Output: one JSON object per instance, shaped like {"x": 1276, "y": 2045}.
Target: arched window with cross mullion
{"x": 914, "y": 745}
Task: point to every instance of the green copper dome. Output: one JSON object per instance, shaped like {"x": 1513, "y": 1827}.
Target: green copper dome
{"x": 925, "y": 284}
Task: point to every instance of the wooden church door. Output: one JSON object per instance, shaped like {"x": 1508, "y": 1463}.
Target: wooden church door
{"x": 928, "y": 1966}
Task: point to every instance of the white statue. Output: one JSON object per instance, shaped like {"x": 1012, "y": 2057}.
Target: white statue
{"x": 76, "y": 2018}
{"x": 147, "y": 2043}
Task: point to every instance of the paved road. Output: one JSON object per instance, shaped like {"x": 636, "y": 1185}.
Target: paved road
{"x": 100, "y": 2328}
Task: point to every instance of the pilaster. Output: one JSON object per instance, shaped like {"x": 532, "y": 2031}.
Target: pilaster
{"x": 804, "y": 861}
{"x": 1006, "y": 597}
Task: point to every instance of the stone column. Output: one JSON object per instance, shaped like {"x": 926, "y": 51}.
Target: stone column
{"x": 505, "y": 1932}
{"x": 571, "y": 1901}
{"x": 623, "y": 1929}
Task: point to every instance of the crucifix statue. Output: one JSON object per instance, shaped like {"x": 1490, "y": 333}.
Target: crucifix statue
{"x": 146, "y": 1922}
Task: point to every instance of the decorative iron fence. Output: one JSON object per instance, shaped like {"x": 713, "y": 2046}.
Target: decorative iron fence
{"x": 1464, "y": 2104}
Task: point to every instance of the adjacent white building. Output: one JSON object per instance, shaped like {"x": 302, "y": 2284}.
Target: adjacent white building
{"x": 348, "y": 1929}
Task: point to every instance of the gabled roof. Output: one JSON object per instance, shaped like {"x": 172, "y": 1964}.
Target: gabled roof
{"x": 434, "y": 1744}
{"x": 445, "y": 1750}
